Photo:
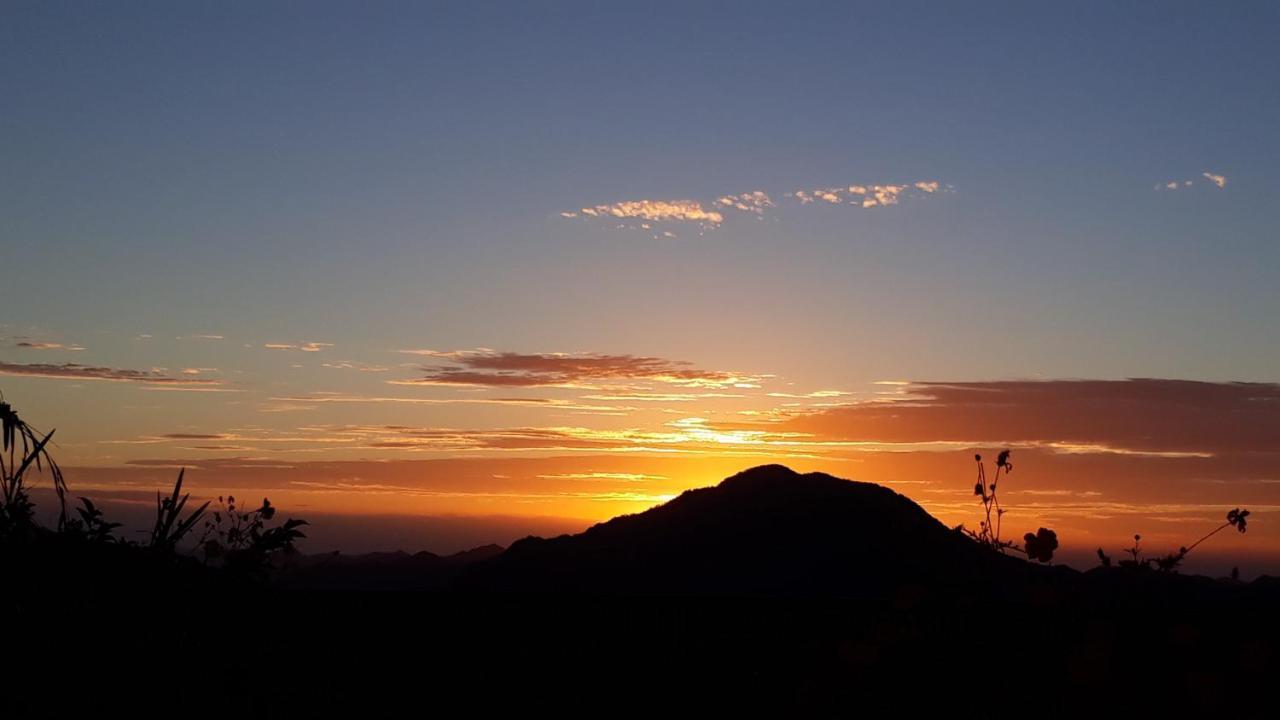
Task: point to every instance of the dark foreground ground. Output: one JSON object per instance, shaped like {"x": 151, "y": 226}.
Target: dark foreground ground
{"x": 796, "y": 595}
{"x": 118, "y": 634}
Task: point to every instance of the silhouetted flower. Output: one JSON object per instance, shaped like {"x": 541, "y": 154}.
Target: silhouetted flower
{"x": 1041, "y": 545}
{"x": 1002, "y": 460}
{"x": 1237, "y": 517}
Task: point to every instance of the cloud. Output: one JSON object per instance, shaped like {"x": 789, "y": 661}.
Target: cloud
{"x": 350, "y": 365}
{"x": 1217, "y": 180}
{"x": 621, "y": 477}
{"x": 755, "y": 202}
{"x": 195, "y": 337}
{"x": 35, "y": 345}
{"x": 685, "y": 436}
{"x": 303, "y": 402}
{"x": 487, "y": 368}
{"x": 658, "y": 211}
{"x": 1140, "y": 416}
{"x": 73, "y": 371}
{"x": 868, "y": 196}
{"x": 194, "y": 436}
{"x": 299, "y": 347}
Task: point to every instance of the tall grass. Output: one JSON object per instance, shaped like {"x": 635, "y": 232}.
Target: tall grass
{"x": 231, "y": 539}
{"x": 22, "y": 448}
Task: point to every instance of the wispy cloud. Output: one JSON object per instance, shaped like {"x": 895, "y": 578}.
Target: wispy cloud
{"x": 36, "y": 345}
{"x": 197, "y": 336}
{"x": 1219, "y": 181}
{"x": 358, "y": 366}
{"x": 486, "y": 368}
{"x": 650, "y": 214}
{"x": 621, "y": 477}
{"x": 73, "y": 371}
{"x": 867, "y": 196}
{"x": 298, "y": 347}
{"x": 297, "y": 402}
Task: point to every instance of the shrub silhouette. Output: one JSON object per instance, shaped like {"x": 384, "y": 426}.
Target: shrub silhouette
{"x": 91, "y": 525}
{"x": 1237, "y": 518}
{"x": 244, "y": 543}
{"x": 240, "y": 540}
{"x": 1039, "y": 546}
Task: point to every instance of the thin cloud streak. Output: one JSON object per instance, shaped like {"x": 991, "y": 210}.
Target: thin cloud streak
{"x": 74, "y": 371}
{"x": 299, "y": 347}
{"x": 485, "y": 368}
{"x": 35, "y": 345}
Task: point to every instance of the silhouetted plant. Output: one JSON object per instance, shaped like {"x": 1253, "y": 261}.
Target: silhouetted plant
{"x": 1237, "y": 518}
{"x": 170, "y": 527}
{"x": 16, "y": 510}
{"x": 241, "y": 540}
{"x": 233, "y": 538}
{"x": 1039, "y": 546}
{"x": 91, "y": 524}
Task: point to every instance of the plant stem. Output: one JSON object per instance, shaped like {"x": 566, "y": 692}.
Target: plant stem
{"x": 1206, "y": 537}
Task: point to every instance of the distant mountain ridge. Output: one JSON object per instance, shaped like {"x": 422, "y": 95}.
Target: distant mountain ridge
{"x": 765, "y": 531}
{"x": 396, "y": 570}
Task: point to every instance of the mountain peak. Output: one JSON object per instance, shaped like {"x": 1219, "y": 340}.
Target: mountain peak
{"x": 766, "y": 530}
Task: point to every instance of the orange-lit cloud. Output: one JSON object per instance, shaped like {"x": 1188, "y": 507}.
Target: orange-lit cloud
{"x": 867, "y": 196}
{"x": 756, "y": 202}
{"x": 318, "y": 398}
{"x": 1219, "y": 180}
{"x": 657, "y": 211}
{"x": 1139, "y": 416}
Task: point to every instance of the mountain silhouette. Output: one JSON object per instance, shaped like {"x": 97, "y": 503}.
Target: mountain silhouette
{"x": 764, "y": 531}
{"x": 382, "y": 570}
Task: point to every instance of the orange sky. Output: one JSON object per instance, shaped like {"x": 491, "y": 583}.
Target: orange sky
{"x": 582, "y": 438}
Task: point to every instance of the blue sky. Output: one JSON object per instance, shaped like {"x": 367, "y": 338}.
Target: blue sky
{"x": 378, "y": 177}
{"x": 397, "y": 167}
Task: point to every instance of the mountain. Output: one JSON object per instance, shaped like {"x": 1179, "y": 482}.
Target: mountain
{"x": 765, "y": 531}
{"x": 381, "y": 570}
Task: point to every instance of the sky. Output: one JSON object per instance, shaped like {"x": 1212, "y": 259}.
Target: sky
{"x": 506, "y": 268}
